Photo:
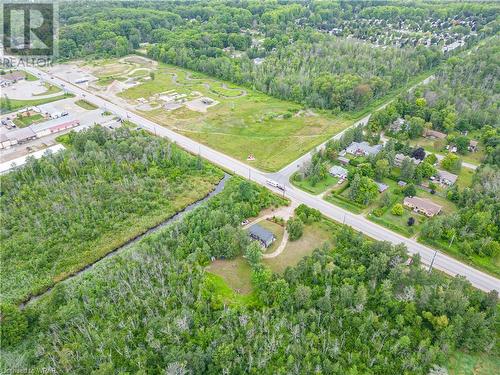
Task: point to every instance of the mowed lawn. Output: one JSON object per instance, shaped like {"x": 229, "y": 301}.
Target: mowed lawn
{"x": 245, "y": 122}
{"x": 315, "y": 235}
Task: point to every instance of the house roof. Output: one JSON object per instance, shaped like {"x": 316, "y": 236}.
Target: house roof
{"x": 261, "y": 233}
{"x": 434, "y": 133}
{"x": 400, "y": 157}
{"x": 423, "y": 204}
{"x": 338, "y": 171}
{"x": 445, "y": 175}
{"x": 21, "y": 134}
{"x": 381, "y": 187}
{"x": 473, "y": 143}
{"x": 365, "y": 147}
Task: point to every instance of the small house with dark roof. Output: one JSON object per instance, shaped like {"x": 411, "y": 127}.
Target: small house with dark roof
{"x": 258, "y": 233}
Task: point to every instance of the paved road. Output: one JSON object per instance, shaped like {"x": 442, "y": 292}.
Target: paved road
{"x": 442, "y": 262}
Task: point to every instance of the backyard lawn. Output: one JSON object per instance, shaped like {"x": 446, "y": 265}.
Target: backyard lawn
{"x": 315, "y": 235}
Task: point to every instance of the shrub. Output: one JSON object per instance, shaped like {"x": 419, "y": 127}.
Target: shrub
{"x": 295, "y": 228}
{"x": 398, "y": 209}
{"x": 14, "y": 324}
{"x": 378, "y": 212}
{"x": 411, "y": 221}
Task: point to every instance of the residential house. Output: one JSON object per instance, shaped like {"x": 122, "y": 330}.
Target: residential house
{"x": 381, "y": 187}
{"x": 399, "y": 158}
{"x": 402, "y": 183}
{"x": 446, "y": 178}
{"x": 423, "y": 206}
{"x": 337, "y": 171}
{"x": 434, "y": 134}
{"x": 258, "y": 233}
{"x": 397, "y": 125}
{"x": 363, "y": 149}
{"x": 473, "y": 145}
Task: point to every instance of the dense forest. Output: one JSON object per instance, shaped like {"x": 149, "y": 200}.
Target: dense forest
{"x": 355, "y": 309}
{"x": 67, "y": 210}
{"x": 291, "y": 50}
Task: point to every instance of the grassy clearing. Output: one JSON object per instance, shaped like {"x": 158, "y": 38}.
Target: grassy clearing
{"x": 319, "y": 188}
{"x": 315, "y": 235}
{"x": 50, "y": 89}
{"x": 24, "y": 121}
{"x": 235, "y": 272}
{"x": 18, "y": 104}
{"x": 85, "y": 105}
{"x": 30, "y": 77}
{"x": 228, "y": 295}
{"x": 244, "y": 122}
{"x": 460, "y": 363}
{"x": 465, "y": 177}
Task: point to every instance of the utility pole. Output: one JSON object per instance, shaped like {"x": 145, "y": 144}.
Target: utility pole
{"x": 249, "y": 174}
{"x": 432, "y": 261}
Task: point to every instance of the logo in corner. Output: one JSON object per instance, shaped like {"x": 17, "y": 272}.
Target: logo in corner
{"x": 28, "y": 28}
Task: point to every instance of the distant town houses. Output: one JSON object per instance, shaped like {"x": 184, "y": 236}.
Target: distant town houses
{"x": 399, "y": 158}
{"x": 434, "y": 134}
{"x": 446, "y": 178}
{"x": 423, "y": 206}
{"x": 363, "y": 149}
{"x": 338, "y": 171}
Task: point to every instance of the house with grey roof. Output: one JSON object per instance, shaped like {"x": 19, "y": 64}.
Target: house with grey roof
{"x": 258, "y": 233}
{"x": 422, "y": 205}
{"x": 363, "y": 148}
{"x": 446, "y": 178}
{"x": 381, "y": 187}
{"x": 338, "y": 171}
{"x": 399, "y": 158}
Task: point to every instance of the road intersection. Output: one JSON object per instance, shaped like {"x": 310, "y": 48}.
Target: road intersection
{"x": 439, "y": 260}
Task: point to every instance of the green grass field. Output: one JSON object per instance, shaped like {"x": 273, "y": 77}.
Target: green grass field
{"x": 18, "y": 104}
{"x": 319, "y": 188}
{"x": 460, "y": 363}
{"x": 244, "y": 122}
{"x": 85, "y": 104}
{"x": 50, "y": 89}
{"x": 24, "y": 121}
{"x": 315, "y": 235}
